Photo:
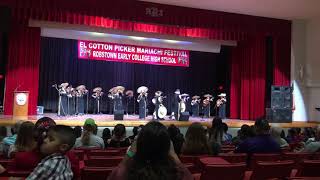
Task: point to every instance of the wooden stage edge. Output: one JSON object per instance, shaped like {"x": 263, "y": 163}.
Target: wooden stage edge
{"x": 232, "y": 123}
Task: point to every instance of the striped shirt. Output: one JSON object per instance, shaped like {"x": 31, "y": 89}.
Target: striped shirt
{"x": 53, "y": 167}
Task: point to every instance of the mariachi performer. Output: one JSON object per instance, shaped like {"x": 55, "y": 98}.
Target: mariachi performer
{"x": 176, "y": 105}
{"x": 71, "y": 94}
{"x": 81, "y": 92}
{"x": 117, "y": 97}
{"x": 129, "y": 101}
{"x": 142, "y": 100}
{"x": 97, "y": 95}
{"x": 159, "y": 111}
{"x": 206, "y": 105}
{"x": 63, "y": 99}
{"x": 221, "y": 105}
{"x": 111, "y": 100}
{"x": 195, "y": 104}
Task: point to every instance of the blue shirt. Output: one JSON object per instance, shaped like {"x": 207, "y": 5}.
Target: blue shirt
{"x": 10, "y": 140}
{"x": 259, "y": 144}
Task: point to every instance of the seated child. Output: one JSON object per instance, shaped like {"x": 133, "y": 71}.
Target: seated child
{"x": 60, "y": 139}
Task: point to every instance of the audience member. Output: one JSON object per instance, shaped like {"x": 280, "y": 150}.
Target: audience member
{"x": 95, "y": 131}
{"x": 8, "y": 141}
{"x": 28, "y": 160}
{"x": 196, "y": 141}
{"x": 119, "y": 137}
{"x": 3, "y": 134}
{"x": 262, "y": 142}
{"x": 60, "y": 139}
{"x": 88, "y": 138}
{"x": 25, "y": 140}
{"x": 106, "y": 135}
{"x": 216, "y": 135}
{"x": 151, "y": 157}
{"x": 313, "y": 146}
{"x": 176, "y": 137}
{"x": 227, "y": 138}
{"x": 276, "y": 134}
{"x": 77, "y": 131}
{"x": 135, "y": 131}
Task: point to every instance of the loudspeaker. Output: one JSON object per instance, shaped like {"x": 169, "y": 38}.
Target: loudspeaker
{"x": 281, "y": 97}
{"x": 118, "y": 115}
{"x": 5, "y": 19}
{"x": 281, "y": 115}
{"x": 184, "y": 116}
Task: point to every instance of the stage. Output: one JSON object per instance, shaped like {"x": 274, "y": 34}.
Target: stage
{"x": 105, "y": 120}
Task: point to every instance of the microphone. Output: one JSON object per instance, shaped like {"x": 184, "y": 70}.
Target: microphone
{"x": 17, "y": 87}
{"x": 54, "y": 85}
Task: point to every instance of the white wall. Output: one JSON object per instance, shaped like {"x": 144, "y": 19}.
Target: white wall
{"x": 313, "y": 67}
{"x": 298, "y": 61}
{"x": 305, "y": 68}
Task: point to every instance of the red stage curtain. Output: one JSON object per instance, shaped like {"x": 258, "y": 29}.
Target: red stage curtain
{"x": 179, "y": 21}
{"x": 248, "y": 74}
{"x": 281, "y": 61}
{"x": 23, "y": 66}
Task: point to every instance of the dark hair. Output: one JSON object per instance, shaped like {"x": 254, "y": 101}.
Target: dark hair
{"x": 3, "y": 132}
{"x": 77, "y": 131}
{"x": 216, "y": 130}
{"x": 262, "y": 126}
{"x": 41, "y": 128}
{"x": 225, "y": 127}
{"x": 173, "y": 131}
{"x": 65, "y": 134}
{"x": 24, "y": 141}
{"x": 135, "y": 130}
{"x": 196, "y": 141}
{"x": 152, "y": 160}
{"x": 176, "y": 138}
{"x": 119, "y": 131}
{"x": 106, "y": 134}
{"x": 87, "y": 131}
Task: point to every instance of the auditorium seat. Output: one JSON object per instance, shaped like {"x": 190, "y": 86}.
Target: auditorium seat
{"x": 105, "y": 153}
{"x": 309, "y": 168}
{"x": 226, "y": 171}
{"x": 234, "y": 157}
{"x": 269, "y": 170}
{"x": 97, "y": 161}
{"x": 263, "y": 157}
{"x": 191, "y": 158}
{"x": 19, "y": 173}
{"x": 297, "y": 157}
{"x": 6, "y": 162}
{"x": 96, "y": 173}
{"x": 79, "y": 153}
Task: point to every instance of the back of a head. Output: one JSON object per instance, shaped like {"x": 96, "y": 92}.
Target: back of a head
{"x": 16, "y": 126}
{"x": 41, "y": 127}
{"x": 106, "y": 133}
{"x": 225, "y": 127}
{"x": 24, "y": 140}
{"x": 153, "y": 142}
{"x": 65, "y": 135}
{"x": 135, "y": 130}
{"x": 196, "y": 141}
{"x": 173, "y": 131}
{"x": 119, "y": 131}
{"x": 152, "y": 160}
{"x": 262, "y": 126}
{"x": 3, "y": 132}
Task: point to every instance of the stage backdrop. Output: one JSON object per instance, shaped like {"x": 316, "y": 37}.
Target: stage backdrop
{"x": 60, "y": 63}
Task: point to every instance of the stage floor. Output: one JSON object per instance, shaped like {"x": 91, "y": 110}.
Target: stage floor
{"x": 106, "y": 120}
